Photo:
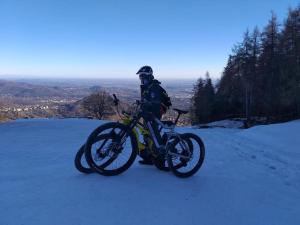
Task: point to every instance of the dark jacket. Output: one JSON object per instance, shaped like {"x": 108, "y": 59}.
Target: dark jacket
{"x": 152, "y": 93}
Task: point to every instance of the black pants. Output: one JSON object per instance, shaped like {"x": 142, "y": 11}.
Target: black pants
{"x": 157, "y": 134}
{"x": 149, "y": 120}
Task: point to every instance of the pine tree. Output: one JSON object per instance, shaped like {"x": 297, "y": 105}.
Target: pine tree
{"x": 290, "y": 66}
{"x": 196, "y": 101}
{"x": 203, "y": 101}
{"x": 231, "y": 88}
{"x": 209, "y": 96}
{"x": 250, "y": 50}
{"x": 269, "y": 77}
{"x": 261, "y": 78}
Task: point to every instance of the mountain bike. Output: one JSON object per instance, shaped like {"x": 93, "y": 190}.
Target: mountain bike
{"x": 80, "y": 162}
{"x": 140, "y": 132}
{"x": 114, "y": 152}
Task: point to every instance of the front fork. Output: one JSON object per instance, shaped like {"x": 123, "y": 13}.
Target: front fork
{"x": 115, "y": 145}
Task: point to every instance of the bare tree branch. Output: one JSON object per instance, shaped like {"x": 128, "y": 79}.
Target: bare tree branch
{"x": 98, "y": 104}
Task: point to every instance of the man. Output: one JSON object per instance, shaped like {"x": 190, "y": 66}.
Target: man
{"x": 156, "y": 101}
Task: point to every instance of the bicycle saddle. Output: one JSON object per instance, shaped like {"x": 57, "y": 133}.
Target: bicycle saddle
{"x": 179, "y": 111}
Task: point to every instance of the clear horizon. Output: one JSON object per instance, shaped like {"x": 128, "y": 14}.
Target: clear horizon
{"x": 61, "y": 78}
{"x": 112, "y": 39}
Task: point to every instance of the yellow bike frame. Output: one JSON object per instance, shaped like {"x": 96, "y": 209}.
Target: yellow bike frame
{"x": 139, "y": 129}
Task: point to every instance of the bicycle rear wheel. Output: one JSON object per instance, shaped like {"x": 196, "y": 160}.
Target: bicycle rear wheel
{"x": 186, "y": 155}
{"x": 161, "y": 162}
{"x": 80, "y": 163}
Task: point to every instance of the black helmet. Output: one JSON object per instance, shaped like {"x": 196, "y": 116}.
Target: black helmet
{"x": 146, "y": 74}
{"x": 145, "y": 70}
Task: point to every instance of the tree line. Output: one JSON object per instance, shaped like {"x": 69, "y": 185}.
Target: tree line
{"x": 261, "y": 78}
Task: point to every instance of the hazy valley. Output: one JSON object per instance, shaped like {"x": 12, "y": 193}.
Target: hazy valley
{"x": 46, "y": 98}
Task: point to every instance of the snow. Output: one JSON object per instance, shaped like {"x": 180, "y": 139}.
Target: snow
{"x": 248, "y": 177}
{"x": 228, "y": 123}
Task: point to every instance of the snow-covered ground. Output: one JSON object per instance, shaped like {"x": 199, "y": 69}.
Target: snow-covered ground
{"x": 228, "y": 123}
{"x": 248, "y": 177}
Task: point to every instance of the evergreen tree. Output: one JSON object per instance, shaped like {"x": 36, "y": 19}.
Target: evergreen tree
{"x": 290, "y": 66}
{"x": 269, "y": 78}
{"x": 261, "y": 78}
{"x": 209, "y": 96}
{"x": 203, "y": 101}
{"x": 229, "y": 96}
{"x": 196, "y": 101}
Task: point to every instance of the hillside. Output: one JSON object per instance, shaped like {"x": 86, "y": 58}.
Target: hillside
{"x": 249, "y": 177}
{"x": 43, "y": 98}
{"x": 23, "y": 90}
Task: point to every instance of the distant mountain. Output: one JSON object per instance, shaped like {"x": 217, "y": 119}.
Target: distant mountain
{"x": 22, "y": 89}
{"x": 96, "y": 88}
{"x": 61, "y": 98}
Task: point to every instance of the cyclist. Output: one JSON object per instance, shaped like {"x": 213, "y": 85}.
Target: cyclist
{"x": 156, "y": 101}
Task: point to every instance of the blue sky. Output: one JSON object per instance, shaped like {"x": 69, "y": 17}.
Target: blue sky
{"x": 112, "y": 39}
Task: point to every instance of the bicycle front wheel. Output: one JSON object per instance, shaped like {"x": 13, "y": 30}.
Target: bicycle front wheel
{"x": 112, "y": 153}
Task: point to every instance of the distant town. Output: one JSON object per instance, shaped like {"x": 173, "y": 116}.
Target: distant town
{"x": 32, "y": 98}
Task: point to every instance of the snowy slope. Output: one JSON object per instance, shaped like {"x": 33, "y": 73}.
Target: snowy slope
{"x": 249, "y": 177}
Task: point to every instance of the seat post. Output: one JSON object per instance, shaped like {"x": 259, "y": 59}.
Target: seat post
{"x": 177, "y": 118}
{"x": 179, "y": 113}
